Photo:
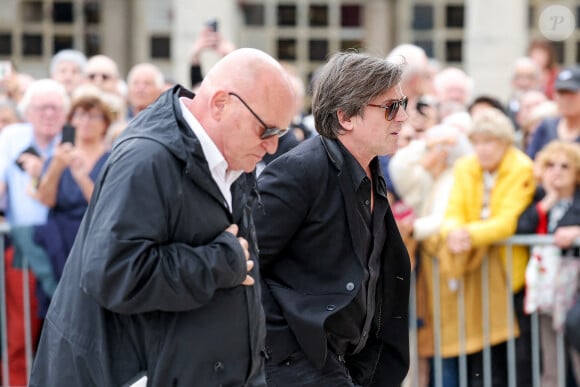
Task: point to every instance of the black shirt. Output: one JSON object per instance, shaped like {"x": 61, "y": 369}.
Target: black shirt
{"x": 348, "y": 329}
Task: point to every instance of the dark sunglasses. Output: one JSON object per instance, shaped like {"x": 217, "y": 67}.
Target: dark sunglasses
{"x": 268, "y": 131}
{"x": 93, "y": 76}
{"x": 392, "y": 107}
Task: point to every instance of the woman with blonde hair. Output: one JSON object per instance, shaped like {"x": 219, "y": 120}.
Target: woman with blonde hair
{"x": 490, "y": 190}
{"x": 555, "y": 210}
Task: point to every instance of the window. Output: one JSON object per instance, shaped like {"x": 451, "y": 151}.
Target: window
{"x": 453, "y": 51}
{"x": 61, "y": 42}
{"x": 454, "y": 16}
{"x": 5, "y": 44}
{"x": 92, "y": 11}
{"x": 62, "y": 12}
{"x": 32, "y": 11}
{"x": 423, "y": 17}
{"x": 318, "y": 15}
{"x": 32, "y": 45}
{"x": 287, "y": 49}
{"x": 92, "y": 44}
{"x": 253, "y": 14}
{"x": 351, "y": 44}
{"x": 317, "y": 49}
{"x": 160, "y": 47}
{"x": 560, "y": 51}
{"x": 286, "y": 15}
{"x": 350, "y": 16}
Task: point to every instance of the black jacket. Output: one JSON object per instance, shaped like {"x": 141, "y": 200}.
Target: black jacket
{"x": 311, "y": 268}
{"x": 530, "y": 218}
{"x": 151, "y": 282}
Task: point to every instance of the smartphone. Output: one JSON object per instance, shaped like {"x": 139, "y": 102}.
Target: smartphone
{"x": 212, "y": 24}
{"x": 68, "y": 134}
{"x": 31, "y": 150}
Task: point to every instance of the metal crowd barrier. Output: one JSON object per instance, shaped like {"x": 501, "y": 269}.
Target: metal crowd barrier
{"x": 413, "y": 377}
{"x": 5, "y": 230}
{"x": 412, "y": 380}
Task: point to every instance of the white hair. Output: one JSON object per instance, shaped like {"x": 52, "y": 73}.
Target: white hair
{"x": 413, "y": 57}
{"x": 453, "y": 75}
{"x": 462, "y": 144}
{"x": 526, "y": 62}
{"x": 43, "y": 86}
{"x": 68, "y": 55}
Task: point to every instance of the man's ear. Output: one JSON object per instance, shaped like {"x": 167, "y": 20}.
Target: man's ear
{"x": 346, "y": 122}
{"x": 217, "y": 103}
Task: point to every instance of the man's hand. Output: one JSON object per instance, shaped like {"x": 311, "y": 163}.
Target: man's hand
{"x": 31, "y": 164}
{"x": 233, "y": 229}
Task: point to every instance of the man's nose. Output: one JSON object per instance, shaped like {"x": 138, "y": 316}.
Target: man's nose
{"x": 270, "y": 144}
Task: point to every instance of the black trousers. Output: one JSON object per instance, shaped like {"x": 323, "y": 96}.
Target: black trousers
{"x": 298, "y": 370}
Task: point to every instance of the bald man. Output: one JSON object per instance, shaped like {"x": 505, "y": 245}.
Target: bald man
{"x": 145, "y": 83}
{"x": 103, "y": 72}
{"x": 162, "y": 283}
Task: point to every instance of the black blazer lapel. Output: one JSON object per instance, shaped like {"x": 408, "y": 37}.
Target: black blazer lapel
{"x": 355, "y": 224}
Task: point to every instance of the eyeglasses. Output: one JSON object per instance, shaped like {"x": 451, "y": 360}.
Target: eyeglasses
{"x": 563, "y": 166}
{"x": 268, "y": 131}
{"x": 89, "y": 116}
{"x": 46, "y": 108}
{"x": 392, "y": 107}
{"x": 104, "y": 77}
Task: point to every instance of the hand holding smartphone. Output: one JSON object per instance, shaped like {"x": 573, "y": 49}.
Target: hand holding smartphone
{"x": 30, "y": 150}
{"x": 68, "y": 134}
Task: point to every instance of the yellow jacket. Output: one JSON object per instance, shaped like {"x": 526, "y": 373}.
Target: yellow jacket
{"x": 512, "y": 192}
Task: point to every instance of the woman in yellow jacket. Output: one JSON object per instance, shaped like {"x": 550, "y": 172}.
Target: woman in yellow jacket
{"x": 490, "y": 190}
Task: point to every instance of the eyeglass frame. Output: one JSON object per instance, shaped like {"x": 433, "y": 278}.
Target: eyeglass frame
{"x": 269, "y": 131}
{"x": 392, "y": 107}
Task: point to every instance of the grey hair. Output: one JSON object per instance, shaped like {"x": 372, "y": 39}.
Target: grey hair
{"x": 68, "y": 55}
{"x": 462, "y": 144}
{"x": 347, "y": 82}
{"x": 43, "y": 86}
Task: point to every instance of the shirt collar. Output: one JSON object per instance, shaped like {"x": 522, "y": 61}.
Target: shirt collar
{"x": 358, "y": 174}
{"x": 215, "y": 159}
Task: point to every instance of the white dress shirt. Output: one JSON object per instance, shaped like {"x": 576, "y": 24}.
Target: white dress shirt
{"x": 218, "y": 165}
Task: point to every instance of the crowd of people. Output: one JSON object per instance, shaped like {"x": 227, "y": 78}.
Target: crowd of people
{"x": 186, "y": 231}
{"x": 470, "y": 172}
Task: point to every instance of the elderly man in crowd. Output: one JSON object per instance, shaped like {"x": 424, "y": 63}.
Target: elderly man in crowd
{"x": 23, "y": 147}
{"x": 145, "y": 83}
{"x": 68, "y": 68}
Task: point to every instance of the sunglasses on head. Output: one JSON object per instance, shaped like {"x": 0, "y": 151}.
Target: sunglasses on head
{"x": 268, "y": 130}
{"x": 392, "y": 107}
